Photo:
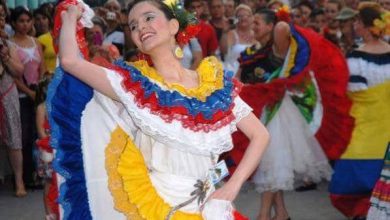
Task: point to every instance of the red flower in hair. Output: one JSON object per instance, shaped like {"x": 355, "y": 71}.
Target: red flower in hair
{"x": 283, "y": 14}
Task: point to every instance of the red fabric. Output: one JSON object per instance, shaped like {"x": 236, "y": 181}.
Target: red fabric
{"x": 239, "y": 216}
{"x": 52, "y": 197}
{"x": 382, "y": 191}
{"x": 80, "y": 31}
{"x": 351, "y": 205}
{"x": 207, "y": 38}
{"x": 332, "y": 79}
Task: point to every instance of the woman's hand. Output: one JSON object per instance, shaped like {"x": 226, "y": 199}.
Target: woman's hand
{"x": 227, "y": 192}
{"x": 73, "y": 13}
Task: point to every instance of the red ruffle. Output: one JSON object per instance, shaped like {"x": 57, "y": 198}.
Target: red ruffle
{"x": 52, "y": 196}
{"x": 180, "y": 113}
{"x": 351, "y": 205}
{"x": 44, "y": 144}
{"x": 332, "y": 79}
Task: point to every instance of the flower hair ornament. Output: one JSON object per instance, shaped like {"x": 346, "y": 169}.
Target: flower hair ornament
{"x": 381, "y": 25}
{"x": 188, "y": 23}
{"x": 283, "y": 14}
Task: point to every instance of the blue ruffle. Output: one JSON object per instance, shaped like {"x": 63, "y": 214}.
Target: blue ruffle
{"x": 219, "y": 100}
{"x": 65, "y": 111}
{"x": 303, "y": 52}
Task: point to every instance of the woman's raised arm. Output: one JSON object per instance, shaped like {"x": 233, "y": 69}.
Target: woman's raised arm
{"x": 91, "y": 74}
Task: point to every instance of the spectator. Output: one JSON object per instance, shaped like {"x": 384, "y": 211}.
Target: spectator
{"x": 192, "y": 54}
{"x": 218, "y": 19}
{"x": 29, "y": 51}
{"x": 10, "y": 125}
{"x": 306, "y": 8}
{"x": 114, "y": 34}
{"x": 346, "y": 18}
{"x": 43, "y": 25}
{"x": 296, "y": 16}
{"x": 239, "y": 38}
{"x": 332, "y": 9}
{"x": 230, "y": 6}
{"x": 317, "y": 20}
{"x": 385, "y": 4}
{"x": 206, "y": 36}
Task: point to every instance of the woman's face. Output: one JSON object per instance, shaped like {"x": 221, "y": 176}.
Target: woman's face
{"x": 150, "y": 28}
{"x": 359, "y": 28}
{"x": 331, "y": 11}
{"x": 305, "y": 13}
{"x": 23, "y": 24}
{"x": 41, "y": 23}
{"x": 260, "y": 27}
{"x": 296, "y": 16}
{"x": 244, "y": 17}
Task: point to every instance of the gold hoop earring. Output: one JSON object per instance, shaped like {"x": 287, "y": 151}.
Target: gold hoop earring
{"x": 178, "y": 52}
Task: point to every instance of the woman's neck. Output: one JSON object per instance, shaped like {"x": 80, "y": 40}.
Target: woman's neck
{"x": 168, "y": 66}
{"x": 264, "y": 40}
{"x": 20, "y": 36}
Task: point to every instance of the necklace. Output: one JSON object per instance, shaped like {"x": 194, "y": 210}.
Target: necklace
{"x": 246, "y": 37}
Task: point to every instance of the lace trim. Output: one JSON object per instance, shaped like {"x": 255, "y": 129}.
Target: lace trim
{"x": 113, "y": 151}
{"x": 129, "y": 178}
{"x": 210, "y": 73}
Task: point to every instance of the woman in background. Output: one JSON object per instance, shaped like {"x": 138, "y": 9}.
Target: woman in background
{"x": 10, "y": 125}
{"x": 359, "y": 167}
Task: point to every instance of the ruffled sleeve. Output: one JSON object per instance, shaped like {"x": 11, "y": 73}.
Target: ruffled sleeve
{"x": 240, "y": 110}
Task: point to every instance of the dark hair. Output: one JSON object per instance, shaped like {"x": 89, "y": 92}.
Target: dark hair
{"x": 316, "y": 12}
{"x": 368, "y": 12}
{"x": 306, "y": 3}
{"x": 268, "y": 15}
{"x": 41, "y": 91}
{"x": 18, "y": 11}
{"x": 100, "y": 22}
{"x": 340, "y": 3}
{"x": 159, "y": 4}
{"x": 44, "y": 12}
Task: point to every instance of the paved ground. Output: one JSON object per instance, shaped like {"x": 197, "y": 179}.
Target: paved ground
{"x": 312, "y": 205}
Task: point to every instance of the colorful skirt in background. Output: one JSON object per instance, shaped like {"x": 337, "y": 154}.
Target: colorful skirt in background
{"x": 380, "y": 198}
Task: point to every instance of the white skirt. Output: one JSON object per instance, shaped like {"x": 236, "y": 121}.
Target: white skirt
{"x": 293, "y": 154}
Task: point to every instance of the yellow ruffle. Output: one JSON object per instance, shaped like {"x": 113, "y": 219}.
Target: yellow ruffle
{"x": 113, "y": 152}
{"x": 130, "y": 184}
{"x": 210, "y": 73}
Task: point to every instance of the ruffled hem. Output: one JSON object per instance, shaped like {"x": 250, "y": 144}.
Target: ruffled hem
{"x": 136, "y": 183}
{"x": 66, "y": 140}
{"x": 154, "y": 125}
{"x": 172, "y": 105}
{"x": 112, "y": 154}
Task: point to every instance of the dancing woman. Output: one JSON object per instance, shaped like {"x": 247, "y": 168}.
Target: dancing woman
{"x": 359, "y": 167}
{"x": 142, "y": 143}
{"x": 302, "y": 101}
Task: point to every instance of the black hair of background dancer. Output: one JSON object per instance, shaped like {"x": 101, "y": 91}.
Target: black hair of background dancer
{"x": 268, "y": 15}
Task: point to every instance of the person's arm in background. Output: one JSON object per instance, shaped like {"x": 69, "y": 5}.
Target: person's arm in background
{"x": 11, "y": 60}
{"x": 281, "y": 35}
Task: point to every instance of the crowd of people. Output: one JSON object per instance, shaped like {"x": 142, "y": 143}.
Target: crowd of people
{"x": 316, "y": 73}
